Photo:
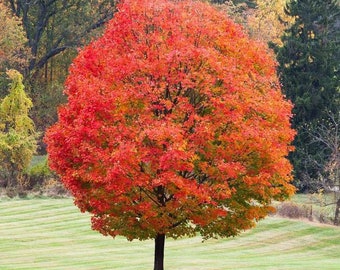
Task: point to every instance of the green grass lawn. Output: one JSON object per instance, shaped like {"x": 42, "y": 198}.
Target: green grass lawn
{"x": 52, "y": 234}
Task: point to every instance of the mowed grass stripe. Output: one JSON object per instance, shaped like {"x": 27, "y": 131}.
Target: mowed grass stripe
{"x": 53, "y": 234}
{"x": 41, "y": 205}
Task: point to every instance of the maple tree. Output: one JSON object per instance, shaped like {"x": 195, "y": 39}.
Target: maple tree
{"x": 175, "y": 125}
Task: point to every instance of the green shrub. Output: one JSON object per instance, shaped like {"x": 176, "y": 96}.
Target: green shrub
{"x": 42, "y": 180}
{"x": 38, "y": 173}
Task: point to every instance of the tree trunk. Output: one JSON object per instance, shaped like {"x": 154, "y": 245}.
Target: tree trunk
{"x": 159, "y": 252}
{"x": 337, "y": 212}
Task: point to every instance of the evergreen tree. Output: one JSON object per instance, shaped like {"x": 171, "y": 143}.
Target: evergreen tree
{"x": 309, "y": 68}
{"x": 17, "y": 133}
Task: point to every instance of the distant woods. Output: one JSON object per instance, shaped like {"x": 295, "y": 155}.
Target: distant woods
{"x": 43, "y": 39}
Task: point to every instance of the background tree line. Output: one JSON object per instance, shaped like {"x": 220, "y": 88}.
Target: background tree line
{"x": 39, "y": 38}
{"x": 50, "y": 33}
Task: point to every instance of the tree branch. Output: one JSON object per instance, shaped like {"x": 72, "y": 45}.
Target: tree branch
{"x": 150, "y": 197}
{"x": 49, "y": 55}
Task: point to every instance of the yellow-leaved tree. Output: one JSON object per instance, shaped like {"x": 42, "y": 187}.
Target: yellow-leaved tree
{"x": 269, "y": 20}
{"x": 17, "y": 132}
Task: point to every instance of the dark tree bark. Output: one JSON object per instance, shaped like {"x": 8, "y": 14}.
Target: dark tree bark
{"x": 159, "y": 252}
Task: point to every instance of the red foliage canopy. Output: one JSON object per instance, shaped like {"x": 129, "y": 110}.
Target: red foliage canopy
{"x": 175, "y": 124}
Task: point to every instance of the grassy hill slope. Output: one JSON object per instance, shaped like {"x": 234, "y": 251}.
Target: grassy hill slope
{"x": 52, "y": 234}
